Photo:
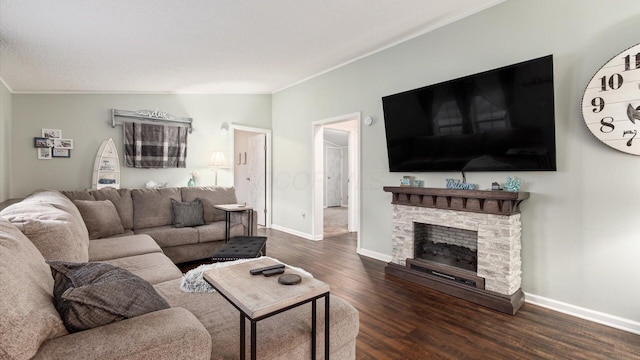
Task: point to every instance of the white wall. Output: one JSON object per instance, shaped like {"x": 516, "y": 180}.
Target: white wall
{"x": 5, "y": 140}
{"x": 86, "y": 119}
{"x": 580, "y": 233}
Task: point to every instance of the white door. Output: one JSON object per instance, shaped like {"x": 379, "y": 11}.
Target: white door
{"x": 333, "y": 173}
{"x": 257, "y": 162}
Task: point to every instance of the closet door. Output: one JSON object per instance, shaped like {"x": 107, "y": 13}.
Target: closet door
{"x": 333, "y": 179}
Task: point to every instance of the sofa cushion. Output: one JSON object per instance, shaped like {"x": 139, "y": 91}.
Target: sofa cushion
{"x": 153, "y": 267}
{"x": 187, "y": 214}
{"x": 88, "y": 295}
{"x": 26, "y": 304}
{"x": 121, "y": 199}
{"x": 118, "y": 247}
{"x": 100, "y": 217}
{"x": 171, "y": 236}
{"x": 152, "y": 207}
{"x": 210, "y": 195}
{"x": 53, "y": 224}
{"x": 215, "y": 231}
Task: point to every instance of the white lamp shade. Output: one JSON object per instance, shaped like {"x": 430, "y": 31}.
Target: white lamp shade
{"x": 218, "y": 159}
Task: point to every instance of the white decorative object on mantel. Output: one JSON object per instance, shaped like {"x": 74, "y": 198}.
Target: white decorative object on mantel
{"x": 106, "y": 169}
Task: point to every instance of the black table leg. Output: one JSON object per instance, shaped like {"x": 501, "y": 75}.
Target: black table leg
{"x": 313, "y": 329}
{"x": 254, "y": 351}
{"x": 227, "y": 225}
{"x": 250, "y": 230}
{"x": 326, "y": 326}
{"x": 242, "y": 335}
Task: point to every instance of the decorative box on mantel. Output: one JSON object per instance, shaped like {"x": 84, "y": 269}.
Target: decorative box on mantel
{"x": 465, "y": 243}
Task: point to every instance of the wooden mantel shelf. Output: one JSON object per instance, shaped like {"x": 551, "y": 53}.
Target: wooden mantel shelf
{"x": 480, "y": 201}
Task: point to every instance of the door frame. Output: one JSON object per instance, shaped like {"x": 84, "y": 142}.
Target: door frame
{"x": 354, "y": 206}
{"x": 267, "y": 132}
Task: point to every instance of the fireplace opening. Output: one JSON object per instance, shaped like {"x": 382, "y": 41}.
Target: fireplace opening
{"x": 445, "y": 245}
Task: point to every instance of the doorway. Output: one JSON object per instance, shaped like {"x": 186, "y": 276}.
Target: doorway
{"x": 336, "y": 189}
{"x": 251, "y": 149}
{"x": 341, "y": 177}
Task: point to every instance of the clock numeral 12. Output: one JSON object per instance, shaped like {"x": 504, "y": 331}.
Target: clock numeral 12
{"x": 614, "y": 82}
{"x": 630, "y": 64}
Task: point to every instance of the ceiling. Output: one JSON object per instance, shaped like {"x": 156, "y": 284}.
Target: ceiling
{"x": 201, "y": 46}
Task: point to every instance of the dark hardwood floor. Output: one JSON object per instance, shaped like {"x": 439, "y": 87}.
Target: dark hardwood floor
{"x": 401, "y": 320}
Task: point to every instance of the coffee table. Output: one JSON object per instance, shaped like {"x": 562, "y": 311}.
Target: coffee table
{"x": 258, "y": 297}
{"x": 228, "y": 209}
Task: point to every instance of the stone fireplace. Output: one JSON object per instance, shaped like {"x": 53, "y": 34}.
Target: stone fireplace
{"x": 463, "y": 242}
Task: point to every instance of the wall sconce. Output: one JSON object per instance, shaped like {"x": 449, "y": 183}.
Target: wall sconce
{"x": 224, "y": 128}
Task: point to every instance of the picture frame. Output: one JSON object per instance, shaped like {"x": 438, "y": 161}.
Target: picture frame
{"x": 41, "y": 142}
{"x": 52, "y": 133}
{"x": 44, "y": 153}
{"x": 60, "y": 153}
{"x": 63, "y": 143}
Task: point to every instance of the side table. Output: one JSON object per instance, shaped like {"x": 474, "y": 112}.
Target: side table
{"x": 228, "y": 209}
{"x": 258, "y": 297}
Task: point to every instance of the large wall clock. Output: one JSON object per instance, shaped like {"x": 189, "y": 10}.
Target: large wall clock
{"x": 611, "y": 102}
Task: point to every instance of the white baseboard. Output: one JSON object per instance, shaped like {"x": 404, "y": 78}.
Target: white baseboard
{"x": 584, "y": 313}
{"x": 374, "y": 255}
{"x": 293, "y": 232}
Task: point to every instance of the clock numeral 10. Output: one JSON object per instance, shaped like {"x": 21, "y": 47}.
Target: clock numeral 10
{"x": 614, "y": 82}
{"x": 632, "y": 62}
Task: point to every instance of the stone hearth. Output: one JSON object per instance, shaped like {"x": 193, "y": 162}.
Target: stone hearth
{"x": 494, "y": 215}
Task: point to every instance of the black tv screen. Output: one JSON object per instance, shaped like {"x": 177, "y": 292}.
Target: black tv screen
{"x": 497, "y": 120}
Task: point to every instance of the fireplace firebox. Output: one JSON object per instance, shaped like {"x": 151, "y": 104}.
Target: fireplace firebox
{"x": 445, "y": 245}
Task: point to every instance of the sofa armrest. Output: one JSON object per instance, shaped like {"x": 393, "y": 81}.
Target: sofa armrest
{"x": 173, "y": 333}
{"x": 243, "y": 218}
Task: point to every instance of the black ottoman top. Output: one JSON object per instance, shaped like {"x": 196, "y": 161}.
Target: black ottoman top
{"x": 242, "y": 247}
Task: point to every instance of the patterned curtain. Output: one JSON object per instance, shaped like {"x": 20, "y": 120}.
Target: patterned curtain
{"x": 154, "y": 146}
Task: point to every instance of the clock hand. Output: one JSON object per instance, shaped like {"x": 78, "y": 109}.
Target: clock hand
{"x": 633, "y": 114}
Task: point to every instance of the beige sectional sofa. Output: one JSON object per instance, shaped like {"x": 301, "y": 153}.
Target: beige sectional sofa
{"x": 48, "y": 226}
{"x": 149, "y": 211}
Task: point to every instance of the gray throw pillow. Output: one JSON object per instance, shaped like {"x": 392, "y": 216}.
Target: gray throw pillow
{"x": 89, "y": 295}
{"x": 187, "y": 213}
{"x": 100, "y": 217}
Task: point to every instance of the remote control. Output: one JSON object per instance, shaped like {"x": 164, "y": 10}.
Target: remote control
{"x": 260, "y": 270}
{"x": 273, "y": 272}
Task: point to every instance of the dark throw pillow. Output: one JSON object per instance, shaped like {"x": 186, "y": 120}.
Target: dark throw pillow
{"x": 100, "y": 217}
{"x": 187, "y": 213}
{"x": 89, "y": 295}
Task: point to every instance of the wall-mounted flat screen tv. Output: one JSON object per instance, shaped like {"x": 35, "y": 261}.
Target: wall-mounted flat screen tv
{"x": 497, "y": 120}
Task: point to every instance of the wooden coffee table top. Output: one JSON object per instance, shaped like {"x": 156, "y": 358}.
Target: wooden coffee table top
{"x": 257, "y": 295}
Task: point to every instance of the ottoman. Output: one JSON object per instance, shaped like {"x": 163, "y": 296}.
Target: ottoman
{"x": 242, "y": 247}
